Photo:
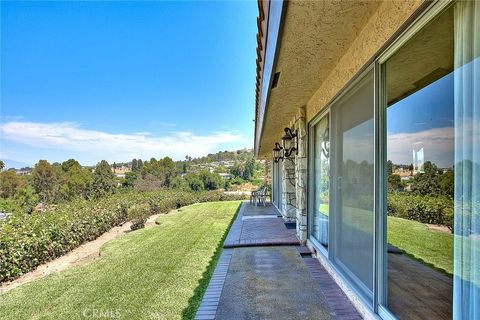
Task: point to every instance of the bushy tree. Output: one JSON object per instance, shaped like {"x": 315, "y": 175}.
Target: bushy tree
{"x": 194, "y": 182}
{"x": 447, "y": 182}
{"x": 179, "y": 183}
{"x": 45, "y": 180}
{"x": 394, "y": 183}
{"x": 11, "y": 184}
{"x": 428, "y": 182}
{"x": 104, "y": 181}
{"x": 76, "y": 181}
{"x": 163, "y": 169}
{"x": 211, "y": 181}
{"x": 249, "y": 169}
{"x": 148, "y": 183}
{"x": 134, "y": 165}
{"x": 130, "y": 178}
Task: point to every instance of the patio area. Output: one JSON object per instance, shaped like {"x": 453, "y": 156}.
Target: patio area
{"x": 264, "y": 273}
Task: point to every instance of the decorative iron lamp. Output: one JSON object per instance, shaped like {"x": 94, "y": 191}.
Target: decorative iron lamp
{"x": 277, "y": 152}
{"x": 290, "y": 142}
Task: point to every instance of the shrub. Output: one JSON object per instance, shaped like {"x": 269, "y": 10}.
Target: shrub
{"x": 28, "y": 240}
{"x": 425, "y": 209}
{"x": 138, "y": 214}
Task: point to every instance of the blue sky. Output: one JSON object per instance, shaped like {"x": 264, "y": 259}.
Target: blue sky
{"x": 423, "y": 120}
{"x": 117, "y": 80}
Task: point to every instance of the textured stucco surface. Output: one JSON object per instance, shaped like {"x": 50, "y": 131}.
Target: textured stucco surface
{"x": 323, "y": 45}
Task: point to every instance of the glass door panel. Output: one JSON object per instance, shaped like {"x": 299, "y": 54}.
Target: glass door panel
{"x": 353, "y": 180}
{"x": 321, "y": 167}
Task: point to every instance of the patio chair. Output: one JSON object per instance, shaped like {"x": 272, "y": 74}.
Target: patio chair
{"x": 253, "y": 196}
{"x": 261, "y": 196}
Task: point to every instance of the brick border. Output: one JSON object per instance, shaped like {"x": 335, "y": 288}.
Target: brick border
{"x": 208, "y": 308}
{"x": 335, "y": 297}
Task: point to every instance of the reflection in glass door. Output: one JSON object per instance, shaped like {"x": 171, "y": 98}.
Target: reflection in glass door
{"x": 321, "y": 171}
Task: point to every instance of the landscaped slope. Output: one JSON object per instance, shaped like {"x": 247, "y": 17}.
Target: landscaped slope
{"x": 157, "y": 273}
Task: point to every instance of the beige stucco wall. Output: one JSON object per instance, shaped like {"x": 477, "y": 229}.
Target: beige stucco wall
{"x": 382, "y": 25}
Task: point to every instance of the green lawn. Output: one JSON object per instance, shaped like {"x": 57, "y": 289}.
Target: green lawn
{"x": 432, "y": 247}
{"x": 156, "y": 273}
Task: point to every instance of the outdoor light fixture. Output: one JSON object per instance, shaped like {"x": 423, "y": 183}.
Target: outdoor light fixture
{"x": 277, "y": 152}
{"x": 290, "y": 142}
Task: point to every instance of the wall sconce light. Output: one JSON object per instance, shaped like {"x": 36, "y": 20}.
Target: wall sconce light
{"x": 277, "y": 152}
{"x": 290, "y": 142}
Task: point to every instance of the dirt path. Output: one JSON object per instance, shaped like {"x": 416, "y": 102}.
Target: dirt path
{"x": 85, "y": 253}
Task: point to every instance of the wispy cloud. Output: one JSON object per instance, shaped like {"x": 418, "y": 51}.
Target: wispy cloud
{"x": 437, "y": 144}
{"x": 70, "y": 137}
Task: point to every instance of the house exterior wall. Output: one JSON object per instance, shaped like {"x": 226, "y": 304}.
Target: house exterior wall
{"x": 289, "y": 201}
{"x": 382, "y": 26}
{"x": 300, "y": 125}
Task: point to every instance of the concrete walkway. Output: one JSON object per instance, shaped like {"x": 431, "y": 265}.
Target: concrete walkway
{"x": 264, "y": 273}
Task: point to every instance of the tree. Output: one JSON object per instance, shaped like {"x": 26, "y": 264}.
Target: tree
{"x": 140, "y": 164}
{"x": 237, "y": 170}
{"x": 104, "y": 181}
{"x": 447, "y": 182}
{"x": 67, "y": 165}
{"x": 76, "y": 181}
{"x": 130, "y": 178}
{"x": 45, "y": 180}
{"x": 394, "y": 183}
{"x": 427, "y": 183}
{"x": 179, "y": 183}
{"x": 194, "y": 182}
{"x": 389, "y": 167}
{"x": 163, "y": 169}
{"x": 211, "y": 181}
{"x": 147, "y": 183}
{"x": 249, "y": 169}
{"x": 2, "y": 165}
{"x": 134, "y": 165}
{"x": 10, "y": 184}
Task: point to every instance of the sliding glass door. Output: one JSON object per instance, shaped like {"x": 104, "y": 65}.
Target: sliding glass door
{"x": 352, "y": 164}
{"x": 432, "y": 223}
{"x": 394, "y": 173}
{"x": 320, "y": 146}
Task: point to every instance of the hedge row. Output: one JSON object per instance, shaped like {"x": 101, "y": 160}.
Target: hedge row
{"x": 27, "y": 241}
{"x": 425, "y": 209}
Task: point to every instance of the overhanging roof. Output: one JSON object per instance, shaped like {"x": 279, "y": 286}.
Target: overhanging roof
{"x": 304, "y": 41}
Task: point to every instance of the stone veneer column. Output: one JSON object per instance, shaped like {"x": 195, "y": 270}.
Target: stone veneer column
{"x": 300, "y": 125}
{"x": 288, "y": 190}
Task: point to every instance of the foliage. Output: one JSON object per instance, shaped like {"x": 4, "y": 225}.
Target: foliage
{"x": 395, "y": 183}
{"x": 11, "y": 184}
{"x": 428, "y": 182}
{"x": 164, "y": 170}
{"x": 425, "y": 209}
{"x": 27, "y": 240}
{"x": 194, "y": 182}
{"x": 104, "y": 181}
{"x": 76, "y": 181}
{"x": 45, "y": 180}
{"x": 211, "y": 181}
{"x": 130, "y": 178}
{"x": 138, "y": 276}
{"x": 148, "y": 183}
{"x": 138, "y": 215}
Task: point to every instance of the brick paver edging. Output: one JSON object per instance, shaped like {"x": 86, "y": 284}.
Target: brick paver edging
{"x": 336, "y": 298}
{"x": 260, "y": 242}
{"x": 211, "y": 298}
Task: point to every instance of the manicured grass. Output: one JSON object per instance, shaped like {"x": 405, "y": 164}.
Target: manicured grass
{"x": 432, "y": 247}
{"x": 156, "y": 273}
